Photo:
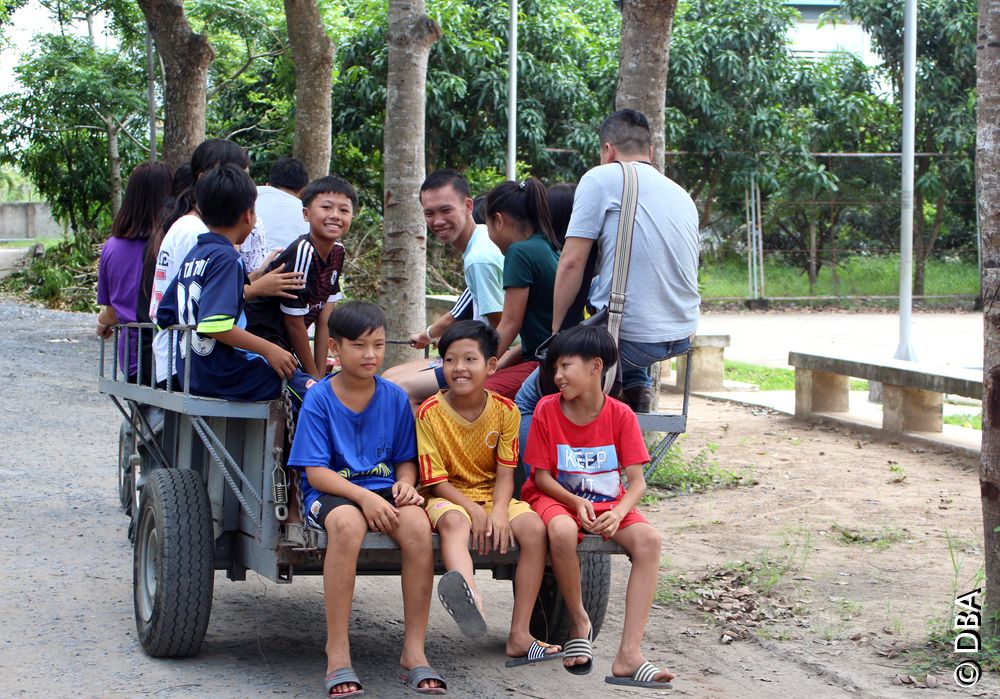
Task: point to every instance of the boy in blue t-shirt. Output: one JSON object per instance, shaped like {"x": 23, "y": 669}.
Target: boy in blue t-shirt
{"x": 356, "y": 445}
{"x": 207, "y": 293}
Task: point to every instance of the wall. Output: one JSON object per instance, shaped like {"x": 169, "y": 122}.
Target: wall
{"x": 28, "y": 220}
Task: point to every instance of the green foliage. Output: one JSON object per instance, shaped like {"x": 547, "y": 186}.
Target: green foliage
{"x": 65, "y": 277}
{"x": 673, "y": 473}
{"x": 567, "y": 68}
{"x": 973, "y": 421}
{"x": 857, "y": 275}
{"x": 768, "y": 378}
{"x": 54, "y": 129}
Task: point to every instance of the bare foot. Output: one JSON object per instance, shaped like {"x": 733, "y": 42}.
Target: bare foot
{"x": 626, "y": 667}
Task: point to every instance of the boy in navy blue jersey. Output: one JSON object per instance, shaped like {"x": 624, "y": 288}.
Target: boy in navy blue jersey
{"x": 207, "y": 293}
{"x": 356, "y": 445}
{"x": 328, "y": 205}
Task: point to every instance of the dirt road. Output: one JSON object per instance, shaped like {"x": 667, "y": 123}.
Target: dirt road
{"x": 66, "y": 626}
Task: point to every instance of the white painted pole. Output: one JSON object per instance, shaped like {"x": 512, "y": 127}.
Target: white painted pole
{"x": 905, "y": 351}
{"x": 512, "y": 95}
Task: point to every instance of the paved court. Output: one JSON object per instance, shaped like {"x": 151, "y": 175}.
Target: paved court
{"x": 765, "y": 338}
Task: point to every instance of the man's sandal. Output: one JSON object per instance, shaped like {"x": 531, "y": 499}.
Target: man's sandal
{"x": 536, "y": 654}
{"x": 644, "y": 676}
{"x": 414, "y": 677}
{"x": 345, "y": 675}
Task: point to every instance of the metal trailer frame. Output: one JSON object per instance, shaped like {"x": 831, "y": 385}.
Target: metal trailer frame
{"x": 237, "y": 448}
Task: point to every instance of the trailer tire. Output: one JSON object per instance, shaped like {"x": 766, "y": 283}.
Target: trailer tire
{"x": 125, "y": 449}
{"x": 173, "y": 566}
{"x": 549, "y": 619}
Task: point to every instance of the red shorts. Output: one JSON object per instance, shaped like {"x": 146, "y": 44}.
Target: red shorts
{"x": 547, "y": 508}
{"x": 508, "y": 381}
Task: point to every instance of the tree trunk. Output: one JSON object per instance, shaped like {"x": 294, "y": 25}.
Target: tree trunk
{"x": 988, "y": 180}
{"x": 642, "y": 66}
{"x": 312, "y": 54}
{"x": 186, "y": 57}
{"x": 410, "y": 38}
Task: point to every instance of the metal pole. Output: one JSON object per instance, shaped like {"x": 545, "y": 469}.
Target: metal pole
{"x": 746, "y": 203}
{"x": 512, "y": 95}
{"x": 905, "y": 351}
{"x": 760, "y": 243}
{"x": 151, "y": 93}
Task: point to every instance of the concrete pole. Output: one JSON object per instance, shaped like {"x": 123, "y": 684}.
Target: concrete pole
{"x": 512, "y": 95}
{"x": 905, "y": 351}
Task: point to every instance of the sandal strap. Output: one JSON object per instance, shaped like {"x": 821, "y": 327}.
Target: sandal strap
{"x": 420, "y": 673}
{"x": 344, "y": 675}
{"x": 646, "y": 672}
{"x": 537, "y": 650}
{"x": 579, "y": 648}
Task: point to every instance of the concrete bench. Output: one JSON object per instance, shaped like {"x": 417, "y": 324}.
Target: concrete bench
{"x": 912, "y": 393}
{"x": 707, "y": 364}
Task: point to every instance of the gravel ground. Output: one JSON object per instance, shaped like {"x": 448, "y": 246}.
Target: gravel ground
{"x": 66, "y": 620}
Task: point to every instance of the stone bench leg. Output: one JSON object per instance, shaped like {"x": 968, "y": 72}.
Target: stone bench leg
{"x": 820, "y": 392}
{"x": 911, "y": 409}
{"x": 707, "y": 364}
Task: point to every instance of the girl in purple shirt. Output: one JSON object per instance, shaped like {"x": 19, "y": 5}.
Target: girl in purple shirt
{"x": 119, "y": 273}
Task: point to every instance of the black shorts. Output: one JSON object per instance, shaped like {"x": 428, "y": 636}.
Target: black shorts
{"x": 326, "y": 503}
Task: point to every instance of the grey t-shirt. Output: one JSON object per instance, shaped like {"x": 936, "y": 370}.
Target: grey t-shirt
{"x": 661, "y": 296}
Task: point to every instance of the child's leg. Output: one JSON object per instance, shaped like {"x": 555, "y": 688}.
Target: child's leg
{"x": 529, "y": 532}
{"x": 563, "y": 532}
{"x": 642, "y": 542}
{"x": 416, "y": 378}
{"x": 414, "y": 538}
{"x": 454, "y": 529}
{"x": 345, "y": 529}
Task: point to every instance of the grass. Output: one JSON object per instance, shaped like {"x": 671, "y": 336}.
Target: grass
{"x": 673, "y": 473}
{"x": 858, "y": 275}
{"x": 771, "y": 378}
{"x": 878, "y": 539}
{"x": 973, "y": 421}
{"x": 28, "y": 242}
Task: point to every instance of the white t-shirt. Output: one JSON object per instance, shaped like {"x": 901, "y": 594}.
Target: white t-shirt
{"x": 281, "y": 213}
{"x": 482, "y": 262}
{"x": 177, "y": 243}
{"x": 661, "y": 296}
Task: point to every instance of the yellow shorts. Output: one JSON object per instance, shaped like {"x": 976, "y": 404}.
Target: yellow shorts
{"x": 438, "y": 506}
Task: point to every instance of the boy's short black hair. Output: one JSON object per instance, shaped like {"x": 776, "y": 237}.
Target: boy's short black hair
{"x": 353, "y": 319}
{"x": 584, "y": 341}
{"x": 288, "y": 173}
{"x": 331, "y": 184}
{"x": 443, "y": 178}
{"x": 223, "y": 194}
{"x": 484, "y": 335}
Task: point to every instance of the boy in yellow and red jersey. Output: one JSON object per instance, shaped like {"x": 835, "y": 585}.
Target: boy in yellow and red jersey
{"x": 467, "y": 453}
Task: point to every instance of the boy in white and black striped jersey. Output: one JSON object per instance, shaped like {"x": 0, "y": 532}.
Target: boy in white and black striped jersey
{"x": 328, "y": 206}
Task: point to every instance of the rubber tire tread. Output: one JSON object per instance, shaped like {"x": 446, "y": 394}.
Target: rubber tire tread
{"x": 124, "y": 482}
{"x": 549, "y": 620}
{"x": 183, "y": 604}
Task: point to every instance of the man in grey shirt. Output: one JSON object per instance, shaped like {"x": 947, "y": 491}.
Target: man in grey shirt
{"x": 661, "y": 296}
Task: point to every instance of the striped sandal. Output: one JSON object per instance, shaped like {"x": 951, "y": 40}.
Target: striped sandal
{"x": 644, "y": 677}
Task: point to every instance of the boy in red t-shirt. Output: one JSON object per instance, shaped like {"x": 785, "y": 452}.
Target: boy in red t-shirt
{"x": 580, "y": 443}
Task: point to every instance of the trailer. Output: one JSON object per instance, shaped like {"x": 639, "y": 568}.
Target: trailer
{"x": 205, "y": 487}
